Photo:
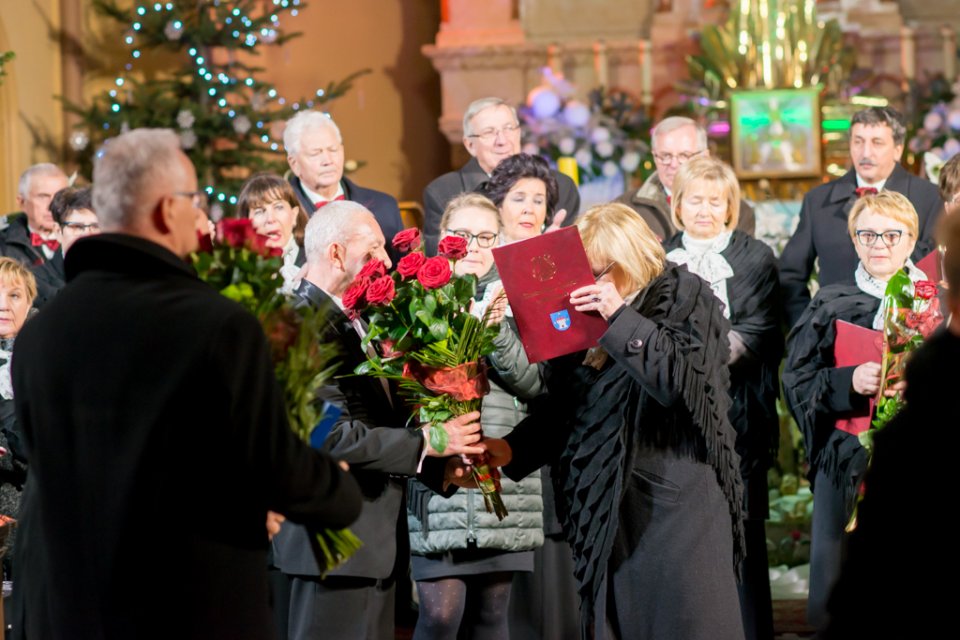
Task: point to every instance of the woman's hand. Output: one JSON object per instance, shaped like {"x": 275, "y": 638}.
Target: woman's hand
{"x": 498, "y": 307}
{"x": 866, "y": 378}
{"x": 601, "y": 297}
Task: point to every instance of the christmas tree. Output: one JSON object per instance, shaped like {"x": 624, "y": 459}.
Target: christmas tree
{"x": 190, "y": 69}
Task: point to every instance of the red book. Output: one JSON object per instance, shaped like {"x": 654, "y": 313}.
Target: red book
{"x": 931, "y": 265}
{"x": 538, "y": 275}
{"x": 853, "y": 346}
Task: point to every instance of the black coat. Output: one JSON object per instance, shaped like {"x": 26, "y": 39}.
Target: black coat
{"x": 644, "y": 455}
{"x": 157, "y": 441}
{"x": 822, "y": 233}
{"x": 50, "y": 277}
{"x": 445, "y": 188}
{"x": 383, "y": 207}
{"x": 754, "y": 295}
{"x": 15, "y": 242}
{"x": 885, "y": 590}
{"x": 369, "y": 435}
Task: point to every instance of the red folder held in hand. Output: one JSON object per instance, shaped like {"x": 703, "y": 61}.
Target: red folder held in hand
{"x": 853, "y": 346}
{"x": 538, "y": 275}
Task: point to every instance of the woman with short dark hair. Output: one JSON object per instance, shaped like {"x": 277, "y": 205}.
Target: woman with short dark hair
{"x": 525, "y": 192}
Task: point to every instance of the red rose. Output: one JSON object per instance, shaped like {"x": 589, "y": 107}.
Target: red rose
{"x": 409, "y": 264}
{"x": 204, "y": 243}
{"x": 434, "y": 273}
{"x": 235, "y": 231}
{"x": 387, "y": 350}
{"x": 354, "y": 297}
{"x": 407, "y": 240}
{"x": 453, "y": 247}
{"x": 381, "y": 291}
{"x": 373, "y": 269}
{"x": 925, "y": 289}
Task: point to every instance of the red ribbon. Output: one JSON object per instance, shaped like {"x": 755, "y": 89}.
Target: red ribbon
{"x": 323, "y": 203}
{"x": 467, "y": 381}
{"x": 866, "y": 191}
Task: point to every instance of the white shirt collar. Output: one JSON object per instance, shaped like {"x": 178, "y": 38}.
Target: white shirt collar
{"x": 876, "y": 185}
{"x": 316, "y": 197}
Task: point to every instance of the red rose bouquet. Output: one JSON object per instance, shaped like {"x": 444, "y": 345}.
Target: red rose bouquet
{"x": 429, "y": 342}
{"x": 911, "y": 312}
{"x": 238, "y": 264}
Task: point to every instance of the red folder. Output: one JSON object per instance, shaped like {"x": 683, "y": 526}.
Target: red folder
{"x": 538, "y": 275}
{"x": 931, "y": 265}
{"x": 853, "y": 346}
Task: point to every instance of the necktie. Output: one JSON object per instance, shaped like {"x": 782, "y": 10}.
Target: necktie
{"x": 866, "y": 191}
{"x": 36, "y": 240}
{"x": 319, "y": 205}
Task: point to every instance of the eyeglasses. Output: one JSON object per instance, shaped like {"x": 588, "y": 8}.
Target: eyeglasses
{"x": 80, "y": 227}
{"x": 197, "y": 198}
{"x": 891, "y": 238}
{"x": 484, "y": 240}
{"x": 679, "y": 158}
{"x": 489, "y": 135}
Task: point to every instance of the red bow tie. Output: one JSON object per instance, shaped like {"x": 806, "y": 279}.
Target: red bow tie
{"x": 866, "y": 191}
{"x": 36, "y": 240}
{"x": 669, "y": 200}
{"x": 323, "y": 203}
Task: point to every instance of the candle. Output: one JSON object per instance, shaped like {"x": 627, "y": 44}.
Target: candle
{"x": 567, "y": 165}
{"x": 908, "y": 63}
{"x": 600, "y": 64}
{"x": 645, "y": 49}
{"x": 949, "y": 53}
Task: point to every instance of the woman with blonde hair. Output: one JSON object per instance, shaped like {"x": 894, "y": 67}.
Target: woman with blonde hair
{"x": 884, "y": 229}
{"x": 742, "y": 273}
{"x": 644, "y": 456}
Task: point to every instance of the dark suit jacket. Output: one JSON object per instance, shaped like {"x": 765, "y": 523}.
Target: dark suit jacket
{"x": 442, "y": 190}
{"x": 370, "y": 436}
{"x": 50, "y": 277}
{"x": 15, "y": 242}
{"x": 157, "y": 441}
{"x": 383, "y": 207}
{"x": 822, "y": 233}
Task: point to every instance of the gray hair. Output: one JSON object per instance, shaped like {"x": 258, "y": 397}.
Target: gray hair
{"x": 306, "y": 121}
{"x": 882, "y": 115}
{"x": 671, "y": 124}
{"x": 477, "y": 106}
{"x": 131, "y": 165}
{"x": 334, "y": 223}
{"x": 37, "y": 170}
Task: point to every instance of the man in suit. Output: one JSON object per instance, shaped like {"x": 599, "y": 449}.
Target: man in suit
{"x": 72, "y": 210}
{"x": 876, "y": 143}
{"x": 315, "y": 155}
{"x": 675, "y": 140}
{"x": 355, "y": 601}
{"x": 491, "y": 132}
{"x": 31, "y": 237}
{"x": 155, "y": 431}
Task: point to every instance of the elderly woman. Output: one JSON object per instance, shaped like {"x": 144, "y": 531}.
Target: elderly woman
{"x": 524, "y": 190}
{"x": 742, "y": 272}
{"x": 464, "y": 558}
{"x": 17, "y": 291}
{"x": 884, "y": 229}
{"x": 272, "y": 206}
{"x": 651, "y": 497}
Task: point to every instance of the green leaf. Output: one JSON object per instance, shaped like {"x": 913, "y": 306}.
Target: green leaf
{"x": 438, "y": 437}
{"x": 430, "y": 303}
{"x": 439, "y": 329}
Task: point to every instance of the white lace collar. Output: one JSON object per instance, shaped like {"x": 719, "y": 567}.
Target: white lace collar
{"x": 703, "y": 258}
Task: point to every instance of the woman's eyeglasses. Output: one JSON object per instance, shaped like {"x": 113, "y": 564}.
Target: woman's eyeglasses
{"x": 484, "y": 240}
{"x": 869, "y": 238}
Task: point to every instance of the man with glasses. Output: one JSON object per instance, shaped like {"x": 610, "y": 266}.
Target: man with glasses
{"x": 675, "y": 140}
{"x": 156, "y": 433}
{"x": 31, "y": 237}
{"x": 491, "y": 132}
{"x": 877, "y": 135}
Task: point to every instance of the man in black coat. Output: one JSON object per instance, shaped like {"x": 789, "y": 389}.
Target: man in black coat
{"x": 491, "y": 132}
{"x": 155, "y": 430}
{"x": 356, "y": 600}
{"x": 31, "y": 237}
{"x": 315, "y": 154}
{"x": 876, "y": 144}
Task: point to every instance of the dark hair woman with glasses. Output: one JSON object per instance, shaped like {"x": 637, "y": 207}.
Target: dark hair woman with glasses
{"x": 464, "y": 558}
{"x": 883, "y": 228}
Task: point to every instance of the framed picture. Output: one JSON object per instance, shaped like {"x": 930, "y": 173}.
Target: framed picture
{"x": 775, "y": 133}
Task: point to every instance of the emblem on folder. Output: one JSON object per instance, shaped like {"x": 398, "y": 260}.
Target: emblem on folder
{"x": 560, "y": 320}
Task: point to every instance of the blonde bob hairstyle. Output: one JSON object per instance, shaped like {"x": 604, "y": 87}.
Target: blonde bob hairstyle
{"x": 14, "y": 274}
{"x": 889, "y": 204}
{"x": 707, "y": 169}
{"x": 465, "y": 200}
{"x": 616, "y": 233}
